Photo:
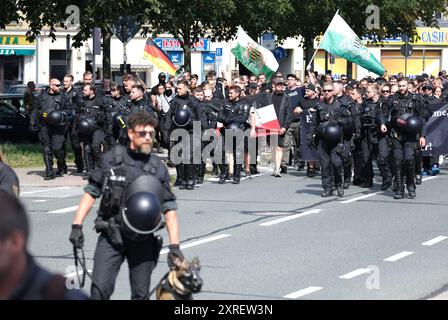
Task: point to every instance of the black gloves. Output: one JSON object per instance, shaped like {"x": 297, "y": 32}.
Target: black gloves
{"x": 173, "y": 254}
{"x": 76, "y": 236}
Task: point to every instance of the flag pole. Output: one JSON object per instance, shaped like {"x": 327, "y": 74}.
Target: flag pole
{"x": 318, "y": 47}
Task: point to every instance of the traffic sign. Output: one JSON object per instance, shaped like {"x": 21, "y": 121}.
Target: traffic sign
{"x": 406, "y": 50}
{"x": 125, "y": 28}
{"x": 219, "y": 52}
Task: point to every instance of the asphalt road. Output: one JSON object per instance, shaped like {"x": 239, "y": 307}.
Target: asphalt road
{"x": 276, "y": 238}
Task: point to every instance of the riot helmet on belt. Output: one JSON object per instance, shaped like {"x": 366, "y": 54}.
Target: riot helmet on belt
{"x": 118, "y": 120}
{"x": 408, "y": 123}
{"x": 56, "y": 118}
{"x": 233, "y": 126}
{"x": 182, "y": 117}
{"x": 348, "y": 130}
{"x": 86, "y": 126}
{"x": 330, "y": 132}
{"x": 141, "y": 215}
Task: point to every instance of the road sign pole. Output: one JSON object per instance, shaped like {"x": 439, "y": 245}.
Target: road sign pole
{"x": 406, "y": 61}
{"x": 125, "y": 58}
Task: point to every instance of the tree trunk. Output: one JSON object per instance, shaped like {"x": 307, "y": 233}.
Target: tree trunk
{"x": 187, "y": 51}
{"x": 309, "y": 52}
{"x": 107, "y": 35}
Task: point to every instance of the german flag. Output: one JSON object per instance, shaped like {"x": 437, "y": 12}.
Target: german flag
{"x": 157, "y": 57}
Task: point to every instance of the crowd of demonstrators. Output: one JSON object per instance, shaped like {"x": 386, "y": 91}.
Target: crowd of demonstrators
{"x": 362, "y": 116}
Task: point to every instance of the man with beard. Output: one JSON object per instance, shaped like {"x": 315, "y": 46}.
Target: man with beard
{"x": 405, "y": 134}
{"x": 122, "y": 167}
{"x": 326, "y": 133}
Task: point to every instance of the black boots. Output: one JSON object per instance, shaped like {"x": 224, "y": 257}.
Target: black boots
{"x": 237, "y": 173}
{"x": 48, "y": 161}
{"x": 399, "y": 191}
{"x": 189, "y": 171}
{"x": 88, "y": 161}
{"x": 410, "y": 172}
{"x": 62, "y": 168}
{"x": 200, "y": 172}
{"x": 222, "y": 177}
{"x": 180, "y": 168}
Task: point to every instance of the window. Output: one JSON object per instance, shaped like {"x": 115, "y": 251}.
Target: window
{"x": 6, "y": 112}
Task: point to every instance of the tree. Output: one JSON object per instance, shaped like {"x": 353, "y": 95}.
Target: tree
{"x": 9, "y": 12}
{"x": 188, "y": 20}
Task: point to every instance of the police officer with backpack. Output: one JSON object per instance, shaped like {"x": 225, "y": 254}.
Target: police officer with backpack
{"x": 136, "y": 202}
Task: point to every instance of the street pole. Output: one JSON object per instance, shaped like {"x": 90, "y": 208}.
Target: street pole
{"x": 67, "y": 55}
{"x": 406, "y": 60}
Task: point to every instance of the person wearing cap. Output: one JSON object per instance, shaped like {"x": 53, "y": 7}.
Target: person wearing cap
{"x": 307, "y": 106}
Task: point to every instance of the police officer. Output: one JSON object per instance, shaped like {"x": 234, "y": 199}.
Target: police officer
{"x": 211, "y": 111}
{"x": 326, "y": 132}
{"x": 116, "y": 111}
{"x": 349, "y": 130}
{"x": 71, "y": 99}
{"x": 356, "y": 106}
{"x": 90, "y": 124}
{"x": 375, "y": 141}
{"x": 407, "y": 114}
{"x": 48, "y": 118}
{"x": 122, "y": 207}
{"x": 199, "y": 169}
{"x": 234, "y": 116}
{"x": 9, "y": 182}
{"x": 184, "y": 110}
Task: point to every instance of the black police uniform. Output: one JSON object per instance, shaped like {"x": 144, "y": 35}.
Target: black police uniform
{"x": 71, "y": 104}
{"x": 211, "y": 111}
{"x": 403, "y": 144}
{"x": 375, "y": 143}
{"x": 118, "y": 168}
{"x": 9, "y": 182}
{"x": 185, "y": 169}
{"x": 92, "y": 109}
{"x": 306, "y": 104}
{"x": 200, "y": 168}
{"x": 428, "y": 102}
{"x": 143, "y": 104}
{"x": 116, "y": 111}
{"x": 349, "y": 131}
{"x": 329, "y": 151}
{"x": 51, "y": 136}
{"x": 234, "y": 115}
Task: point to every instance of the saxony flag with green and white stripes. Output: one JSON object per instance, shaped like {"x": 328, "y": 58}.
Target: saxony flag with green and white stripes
{"x": 253, "y": 56}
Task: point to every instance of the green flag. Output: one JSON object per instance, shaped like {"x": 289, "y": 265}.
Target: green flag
{"x": 253, "y": 56}
{"x": 341, "y": 40}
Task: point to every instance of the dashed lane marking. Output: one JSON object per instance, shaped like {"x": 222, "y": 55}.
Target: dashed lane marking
{"x": 398, "y": 256}
{"x": 434, "y": 241}
{"x": 355, "y": 273}
{"x": 199, "y": 242}
{"x": 44, "y": 190}
{"x": 302, "y": 292}
{"x": 361, "y": 197}
{"x": 288, "y": 218}
{"x": 65, "y": 210}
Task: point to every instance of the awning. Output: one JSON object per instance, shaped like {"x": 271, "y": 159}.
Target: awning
{"x": 8, "y": 51}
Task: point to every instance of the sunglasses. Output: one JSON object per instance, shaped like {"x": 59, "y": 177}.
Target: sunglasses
{"x": 143, "y": 133}
{"x": 327, "y": 90}
{"x": 56, "y": 85}
{"x": 385, "y": 91}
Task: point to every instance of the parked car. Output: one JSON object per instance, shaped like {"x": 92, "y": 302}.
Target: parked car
{"x": 15, "y": 99}
{"x": 20, "y": 88}
{"x": 14, "y": 124}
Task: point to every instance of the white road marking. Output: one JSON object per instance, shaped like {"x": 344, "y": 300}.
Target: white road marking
{"x": 429, "y": 178}
{"x": 199, "y": 242}
{"x": 294, "y": 216}
{"x": 41, "y": 200}
{"x": 65, "y": 210}
{"x": 72, "y": 274}
{"x": 302, "y": 292}
{"x": 398, "y": 256}
{"x": 362, "y": 197}
{"x": 355, "y": 273}
{"x": 44, "y": 190}
{"x": 434, "y": 241}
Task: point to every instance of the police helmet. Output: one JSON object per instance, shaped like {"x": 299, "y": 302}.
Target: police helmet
{"x": 401, "y": 122}
{"x": 56, "y": 118}
{"x": 182, "y": 117}
{"x": 86, "y": 126}
{"x": 330, "y": 132}
{"x": 118, "y": 120}
{"x": 413, "y": 125}
{"x": 141, "y": 215}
